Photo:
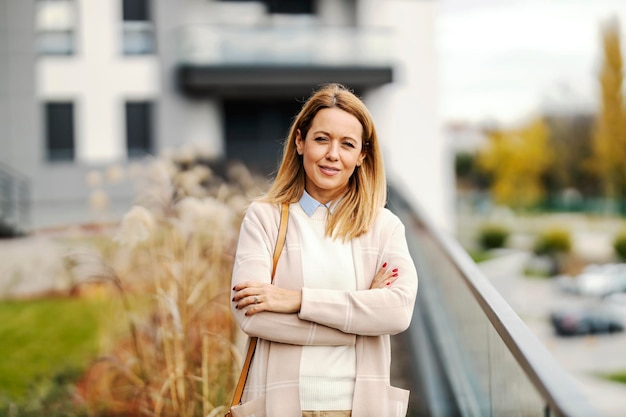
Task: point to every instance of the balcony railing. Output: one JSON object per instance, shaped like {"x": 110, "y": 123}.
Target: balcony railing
{"x": 473, "y": 355}
{"x": 14, "y": 200}
{"x": 288, "y": 45}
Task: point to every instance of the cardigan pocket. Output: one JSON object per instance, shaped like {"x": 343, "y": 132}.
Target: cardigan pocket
{"x": 398, "y": 401}
{"x": 252, "y": 408}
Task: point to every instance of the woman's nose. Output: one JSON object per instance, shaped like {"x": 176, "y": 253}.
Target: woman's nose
{"x": 333, "y": 151}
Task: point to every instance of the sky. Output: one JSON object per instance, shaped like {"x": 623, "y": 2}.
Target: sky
{"x": 504, "y": 61}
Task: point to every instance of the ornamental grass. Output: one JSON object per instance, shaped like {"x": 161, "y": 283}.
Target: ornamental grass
{"x": 170, "y": 265}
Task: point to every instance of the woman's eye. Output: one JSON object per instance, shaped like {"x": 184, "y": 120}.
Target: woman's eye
{"x": 348, "y": 144}
{"x": 321, "y": 139}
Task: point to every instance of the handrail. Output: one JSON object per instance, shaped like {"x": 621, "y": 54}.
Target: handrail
{"x": 555, "y": 387}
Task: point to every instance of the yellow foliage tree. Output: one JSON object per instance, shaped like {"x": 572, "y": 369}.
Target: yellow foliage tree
{"x": 516, "y": 160}
{"x": 608, "y": 159}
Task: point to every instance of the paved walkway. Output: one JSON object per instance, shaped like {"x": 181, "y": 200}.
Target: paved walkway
{"x": 32, "y": 265}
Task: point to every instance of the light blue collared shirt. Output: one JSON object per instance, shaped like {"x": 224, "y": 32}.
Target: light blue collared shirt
{"x": 309, "y": 204}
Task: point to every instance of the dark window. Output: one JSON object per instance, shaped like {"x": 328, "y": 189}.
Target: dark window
{"x": 136, "y": 10}
{"x": 290, "y": 6}
{"x": 60, "y": 131}
{"x": 286, "y": 6}
{"x": 138, "y": 128}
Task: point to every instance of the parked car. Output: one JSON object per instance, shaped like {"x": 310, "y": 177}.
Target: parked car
{"x": 601, "y": 280}
{"x": 586, "y": 320}
{"x": 616, "y": 304}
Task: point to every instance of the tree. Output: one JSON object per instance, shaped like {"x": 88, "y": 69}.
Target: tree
{"x": 570, "y": 139}
{"x": 516, "y": 160}
{"x": 608, "y": 159}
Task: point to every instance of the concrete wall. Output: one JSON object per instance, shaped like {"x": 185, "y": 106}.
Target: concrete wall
{"x": 19, "y": 114}
{"x": 180, "y": 119}
{"x": 406, "y": 111}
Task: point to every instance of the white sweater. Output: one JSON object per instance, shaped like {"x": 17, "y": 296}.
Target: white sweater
{"x": 327, "y": 373}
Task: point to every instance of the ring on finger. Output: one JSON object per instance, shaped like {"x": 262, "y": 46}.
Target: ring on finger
{"x": 256, "y": 300}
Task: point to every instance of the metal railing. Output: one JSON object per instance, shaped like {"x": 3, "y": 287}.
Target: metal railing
{"x": 473, "y": 355}
{"x": 14, "y": 200}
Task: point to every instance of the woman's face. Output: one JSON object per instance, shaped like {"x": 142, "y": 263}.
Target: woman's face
{"x": 331, "y": 151}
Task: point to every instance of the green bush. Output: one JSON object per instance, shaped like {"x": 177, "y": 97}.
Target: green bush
{"x": 616, "y": 376}
{"x": 619, "y": 244}
{"x": 552, "y": 242}
{"x": 492, "y": 236}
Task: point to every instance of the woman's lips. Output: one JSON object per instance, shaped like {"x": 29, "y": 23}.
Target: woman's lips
{"x": 329, "y": 170}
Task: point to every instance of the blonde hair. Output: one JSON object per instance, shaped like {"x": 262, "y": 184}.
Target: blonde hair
{"x": 367, "y": 187}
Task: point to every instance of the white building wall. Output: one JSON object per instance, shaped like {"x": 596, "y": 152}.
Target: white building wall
{"x": 406, "y": 111}
{"x": 203, "y": 125}
{"x": 180, "y": 119}
{"x": 99, "y": 79}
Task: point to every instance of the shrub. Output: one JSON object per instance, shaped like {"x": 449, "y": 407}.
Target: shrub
{"x": 619, "y": 244}
{"x": 553, "y": 242}
{"x": 492, "y": 236}
{"x": 619, "y": 376}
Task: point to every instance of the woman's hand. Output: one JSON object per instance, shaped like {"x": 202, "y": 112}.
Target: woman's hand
{"x": 259, "y": 297}
{"x": 384, "y": 277}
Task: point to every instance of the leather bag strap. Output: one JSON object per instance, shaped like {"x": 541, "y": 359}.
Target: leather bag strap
{"x": 280, "y": 242}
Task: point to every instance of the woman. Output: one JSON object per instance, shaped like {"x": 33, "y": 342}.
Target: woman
{"x": 344, "y": 282}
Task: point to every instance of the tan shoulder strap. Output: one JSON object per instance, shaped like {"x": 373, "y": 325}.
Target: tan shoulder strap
{"x": 280, "y": 243}
{"x": 282, "y": 232}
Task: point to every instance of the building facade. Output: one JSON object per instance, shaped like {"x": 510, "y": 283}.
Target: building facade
{"x": 90, "y": 85}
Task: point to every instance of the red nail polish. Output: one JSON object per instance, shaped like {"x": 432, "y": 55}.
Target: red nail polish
{"x": 395, "y": 270}
{"x": 389, "y": 283}
{"x": 385, "y": 265}
{"x": 395, "y": 275}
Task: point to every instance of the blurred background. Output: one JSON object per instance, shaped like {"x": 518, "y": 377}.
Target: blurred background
{"x": 129, "y": 126}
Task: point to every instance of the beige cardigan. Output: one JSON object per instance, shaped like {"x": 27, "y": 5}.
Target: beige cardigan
{"x": 364, "y": 318}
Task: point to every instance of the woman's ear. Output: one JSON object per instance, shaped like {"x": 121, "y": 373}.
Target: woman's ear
{"x": 299, "y": 142}
{"x": 359, "y": 162}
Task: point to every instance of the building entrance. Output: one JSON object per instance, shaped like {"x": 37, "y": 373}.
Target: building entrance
{"x": 255, "y": 130}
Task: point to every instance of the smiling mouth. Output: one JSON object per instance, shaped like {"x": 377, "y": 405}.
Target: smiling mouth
{"x": 329, "y": 170}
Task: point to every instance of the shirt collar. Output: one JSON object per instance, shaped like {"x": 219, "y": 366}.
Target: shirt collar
{"x": 309, "y": 204}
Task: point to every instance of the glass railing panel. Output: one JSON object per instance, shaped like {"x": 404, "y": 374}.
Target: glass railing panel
{"x": 55, "y": 42}
{"x": 288, "y": 45}
{"x": 138, "y": 38}
{"x": 494, "y": 364}
{"x": 511, "y": 392}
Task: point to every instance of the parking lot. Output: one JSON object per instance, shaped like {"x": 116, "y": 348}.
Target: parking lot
{"x": 584, "y": 357}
